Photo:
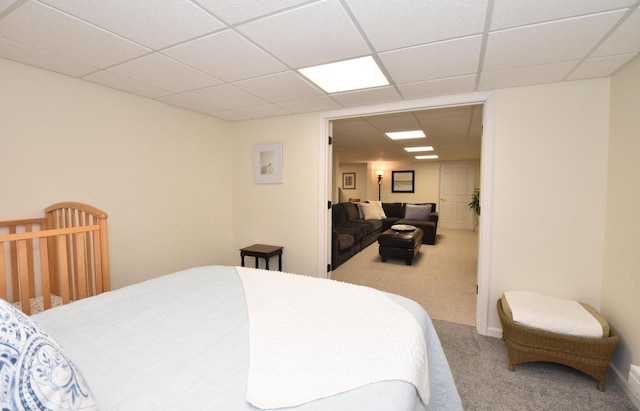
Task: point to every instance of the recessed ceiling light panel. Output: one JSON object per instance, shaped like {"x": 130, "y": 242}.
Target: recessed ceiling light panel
{"x": 400, "y": 135}
{"x": 346, "y": 75}
{"x": 430, "y": 157}
{"x": 418, "y": 149}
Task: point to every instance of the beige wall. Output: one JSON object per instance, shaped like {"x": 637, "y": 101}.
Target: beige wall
{"x": 280, "y": 214}
{"x": 621, "y": 276}
{"x": 363, "y": 190}
{"x": 549, "y": 191}
{"x": 160, "y": 172}
{"x": 427, "y": 181}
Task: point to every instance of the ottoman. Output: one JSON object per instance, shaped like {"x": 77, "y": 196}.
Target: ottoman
{"x": 591, "y": 355}
{"x": 400, "y": 244}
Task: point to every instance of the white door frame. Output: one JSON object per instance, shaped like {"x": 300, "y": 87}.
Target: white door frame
{"x": 486, "y": 180}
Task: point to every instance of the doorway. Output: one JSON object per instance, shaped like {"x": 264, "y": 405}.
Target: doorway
{"x": 326, "y": 178}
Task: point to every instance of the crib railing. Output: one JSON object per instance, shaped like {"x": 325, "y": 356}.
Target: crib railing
{"x": 63, "y": 255}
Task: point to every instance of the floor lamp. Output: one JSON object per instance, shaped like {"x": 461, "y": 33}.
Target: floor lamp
{"x": 379, "y": 173}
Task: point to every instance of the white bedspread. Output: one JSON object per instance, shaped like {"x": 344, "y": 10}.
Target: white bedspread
{"x": 181, "y": 342}
{"x": 307, "y": 341}
{"x": 552, "y": 314}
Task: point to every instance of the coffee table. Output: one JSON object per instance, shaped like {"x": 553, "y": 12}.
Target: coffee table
{"x": 403, "y": 243}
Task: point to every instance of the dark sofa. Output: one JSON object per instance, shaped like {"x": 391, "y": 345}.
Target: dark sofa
{"x": 350, "y": 233}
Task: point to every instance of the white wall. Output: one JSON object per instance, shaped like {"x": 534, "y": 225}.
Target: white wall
{"x": 621, "y": 276}
{"x": 549, "y": 191}
{"x": 279, "y": 214}
{"x": 427, "y": 181}
{"x": 160, "y": 172}
{"x": 362, "y": 190}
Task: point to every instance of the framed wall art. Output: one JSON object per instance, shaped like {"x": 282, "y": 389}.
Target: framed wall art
{"x": 403, "y": 181}
{"x": 348, "y": 181}
{"x": 267, "y": 163}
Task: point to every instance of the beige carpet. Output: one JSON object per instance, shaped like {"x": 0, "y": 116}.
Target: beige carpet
{"x": 442, "y": 277}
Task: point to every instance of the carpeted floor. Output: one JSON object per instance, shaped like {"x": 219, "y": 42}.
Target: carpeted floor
{"x": 479, "y": 367}
{"x": 443, "y": 280}
{"x": 442, "y": 277}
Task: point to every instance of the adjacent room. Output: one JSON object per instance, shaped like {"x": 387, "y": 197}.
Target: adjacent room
{"x": 444, "y": 164}
{"x": 152, "y": 151}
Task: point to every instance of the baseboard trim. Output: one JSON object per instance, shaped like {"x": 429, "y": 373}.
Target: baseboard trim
{"x": 494, "y": 332}
{"x": 625, "y": 386}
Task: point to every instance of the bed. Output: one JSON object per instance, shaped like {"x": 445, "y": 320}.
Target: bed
{"x": 228, "y": 338}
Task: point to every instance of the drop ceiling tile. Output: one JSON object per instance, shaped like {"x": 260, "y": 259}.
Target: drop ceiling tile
{"x": 314, "y": 34}
{"x": 624, "y": 40}
{"x": 144, "y": 21}
{"x": 523, "y": 76}
{"x": 228, "y": 115}
{"x": 307, "y": 105}
{"x": 402, "y": 121}
{"x": 263, "y": 111}
{"x": 509, "y": 13}
{"x": 367, "y": 96}
{"x": 389, "y": 26}
{"x": 43, "y": 28}
{"x": 227, "y": 56}
{"x": 600, "y": 66}
{"x": 163, "y": 72}
{"x": 547, "y": 42}
{"x": 188, "y": 103}
{"x": 226, "y": 97}
{"x": 235, "y": 11}
{"x": 432, "y": 61}
{"x": 440, "y": 87}
{"x": 5, "y": 4}
{"x": 27, "y": 55}
{"x": 118, "y": 82}
{"x": 279, "y": 87}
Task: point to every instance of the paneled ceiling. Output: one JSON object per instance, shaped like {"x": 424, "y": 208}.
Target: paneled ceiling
{"x": 238, "y": 59}
{"x": 455, "y": 133}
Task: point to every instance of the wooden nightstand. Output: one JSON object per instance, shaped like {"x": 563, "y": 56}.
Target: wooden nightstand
{"x": 262, "y": 251}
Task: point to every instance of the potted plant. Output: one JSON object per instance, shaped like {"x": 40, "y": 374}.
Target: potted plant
{"x": 475, "y": 206}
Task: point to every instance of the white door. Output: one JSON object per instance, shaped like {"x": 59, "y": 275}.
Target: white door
{"x": 456, "y": 187}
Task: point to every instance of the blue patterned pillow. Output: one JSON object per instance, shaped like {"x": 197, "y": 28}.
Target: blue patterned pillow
{"x": 35, "y": 373}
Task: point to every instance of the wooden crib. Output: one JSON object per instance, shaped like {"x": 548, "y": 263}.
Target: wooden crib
{"x": 55, "y": 259}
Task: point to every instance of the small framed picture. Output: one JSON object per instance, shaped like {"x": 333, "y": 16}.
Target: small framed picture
{"x": 267, "y": 163}
{"x": 403, "y": 181}
{"x": 348, "y": 181}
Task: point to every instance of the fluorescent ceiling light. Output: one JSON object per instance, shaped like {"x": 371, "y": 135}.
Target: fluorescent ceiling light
{"x": 400, "y": 135}
{"x": 346, "y": 75}
{"x": 431, "y": 157}
{"x": 417, "y": 149}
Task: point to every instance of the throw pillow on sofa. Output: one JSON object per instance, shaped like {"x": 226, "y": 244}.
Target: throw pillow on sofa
{"x": 369, "y": 211}
{"x": 417, "y": 212}
{"x": 378, "y": 205}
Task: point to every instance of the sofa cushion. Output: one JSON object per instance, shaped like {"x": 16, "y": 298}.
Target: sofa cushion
{"x": 393, "y": 209}
{"x": 339, "y": 215}
{"x": 373, "y": 224}
{"x": 357, "y": 230}
{"x": 352, "y": 211}
{"x": 417, "y": 211}
{"x": 345, "y": 241}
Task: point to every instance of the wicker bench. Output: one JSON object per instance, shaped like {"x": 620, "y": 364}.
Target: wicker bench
{"x": 525, "y": 344}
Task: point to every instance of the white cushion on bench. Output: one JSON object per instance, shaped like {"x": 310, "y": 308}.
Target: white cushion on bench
{"x": 553, "y": 314}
